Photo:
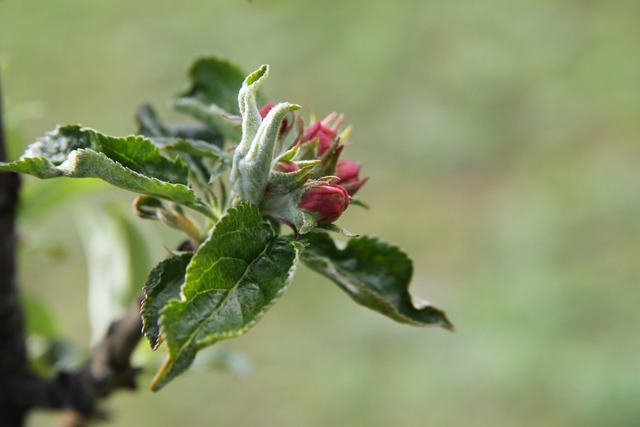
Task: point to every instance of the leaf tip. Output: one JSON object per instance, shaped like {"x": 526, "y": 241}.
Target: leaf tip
{"x": 257, "y": 76}
{"x": 163, "y": 376}
{"x": 446, "y": 324}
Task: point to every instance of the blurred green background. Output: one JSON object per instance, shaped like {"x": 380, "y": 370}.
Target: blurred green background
{"x": 501, "y": 141}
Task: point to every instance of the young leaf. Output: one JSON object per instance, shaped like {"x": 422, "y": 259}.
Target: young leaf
{"x": 162, "y": 286}
{"x": 251, "y": 170}
{"x": 375, "y": 274}
{"x": 193, "y": 147}
{"x": 232, "y": 279}
{"x": 132, "y": 163}
{"x": 211, "y": 115}
{"x": 151, "y": 126}
{"x": 248, "y": 108}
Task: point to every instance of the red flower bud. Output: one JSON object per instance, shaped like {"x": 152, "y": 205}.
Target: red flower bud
{"x": 326, "y": 136}
{"x": 284, "y": 127}
{"x": 348, "y": 172}
{"x": 325, "y": 201}
{"x": 265, "y": 110}
{"x": 287, "y": 166}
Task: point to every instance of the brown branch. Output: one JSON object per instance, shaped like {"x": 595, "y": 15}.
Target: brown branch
{"x": 77, "y": 393}
{"x": 109, "y": 369}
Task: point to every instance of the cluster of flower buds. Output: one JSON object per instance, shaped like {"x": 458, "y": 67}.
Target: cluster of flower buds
{"x": 310, "y": 177}
{"x": 292, "y": 171}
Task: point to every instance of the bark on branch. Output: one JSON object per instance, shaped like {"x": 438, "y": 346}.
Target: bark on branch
{"x": 13, "y": 357}
{"x": 78, "y": 392}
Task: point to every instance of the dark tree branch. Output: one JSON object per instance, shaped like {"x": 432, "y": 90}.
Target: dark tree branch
{"x": 108, "y": 369}
{"x": 77, "y": 393}
{"x": 13, "y": 357}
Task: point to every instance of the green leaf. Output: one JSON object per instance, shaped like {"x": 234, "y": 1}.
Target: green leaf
{"x": 151, "y": 126}
{"x": 215, "y": 81}
{"x": 162, "y": 286}
{"x": 134, "y": 152}
{"x": 198, "y": 145}
{"x": 213, "y": 116}
{"x": 207, "y": 161}
{"x": 232, "y": 279}
{"x": 213, "y": 95}
{"x": 133, "y": 163}
{"x": 193, "y": 147}
{"x": 375, "y": 274}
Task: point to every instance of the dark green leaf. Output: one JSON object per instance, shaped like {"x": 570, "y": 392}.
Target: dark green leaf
{"x": 151, "y": 126}
{"x": 213, "y": 96}
{"x": 162, "y": 286}
{"x": 375, "y": 274}
{"x": 198, "y": 145}
{"x": 215, "y": 81}
{"x": 134, "y": 152}
{"x": 232, "y": 279}
{"x": 206, "y": 161}
{"x": 193, "y": 147}
{"x": 212, "y": 115}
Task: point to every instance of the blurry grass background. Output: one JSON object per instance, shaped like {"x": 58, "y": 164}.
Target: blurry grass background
{"x": 501, "y": 138}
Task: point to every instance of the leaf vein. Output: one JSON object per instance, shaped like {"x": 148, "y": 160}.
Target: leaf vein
{"x": 217, "y": 309}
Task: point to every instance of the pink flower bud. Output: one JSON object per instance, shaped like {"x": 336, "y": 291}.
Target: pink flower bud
{"x": 265, "y": 110}
{"x": 287, "y": 166}
{"x": 284, "y": 127}
{"x": 325, "y": 201}
{"x": 348, "y": 172}
{"x": 326, "y": 136}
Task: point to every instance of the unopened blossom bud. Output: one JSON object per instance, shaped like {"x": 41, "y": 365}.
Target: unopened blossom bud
{"x": 265, "y": 110}
{"x": 325, "y": 202}
{"x": 326, "y": 136}
{"x": 285, "y": 127}
{"x": 348, "y": 172}
{"x": 287, "y": 166}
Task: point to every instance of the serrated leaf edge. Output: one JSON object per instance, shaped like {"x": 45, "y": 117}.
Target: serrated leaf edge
{"x": 359, "y": 288}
